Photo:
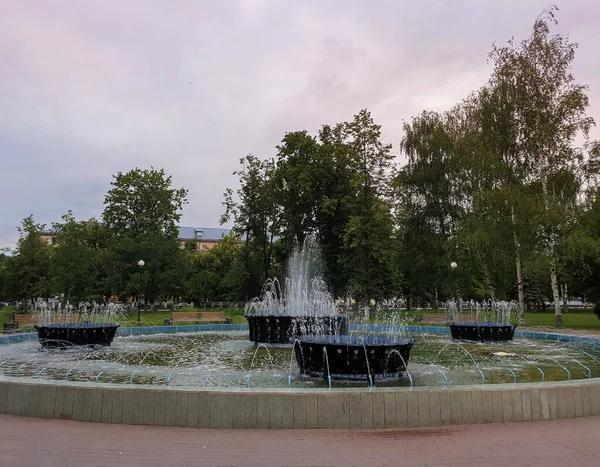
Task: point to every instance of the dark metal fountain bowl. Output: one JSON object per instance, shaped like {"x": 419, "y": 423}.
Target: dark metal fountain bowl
{"x": 278, "y": 329}
{"x": 61, "y": 335}
{"x": 482, "y": 332}
{"x": 353, "y": 357}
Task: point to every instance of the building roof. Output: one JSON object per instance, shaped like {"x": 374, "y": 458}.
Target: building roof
{"x": 209, "y": 234}
{"x": 202, "y": 233}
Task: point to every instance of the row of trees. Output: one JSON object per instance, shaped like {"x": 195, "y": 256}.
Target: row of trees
{"x": 98, "y": 259}
{"x": 505, "y": 184}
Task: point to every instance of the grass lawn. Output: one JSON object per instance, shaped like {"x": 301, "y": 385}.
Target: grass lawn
{"x": 576, "y": 318}
{"x": 157, "y": 318}
{"x": 146, "y": 319}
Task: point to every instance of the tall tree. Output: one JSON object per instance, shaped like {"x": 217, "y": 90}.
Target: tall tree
{"x": 550, "y": 110}
{"x": 79, "y": 249}
{"x": 31, "y": 264}
{"x": 143, "y": 202}
{"x": 253, "y": 209}
{"x": 369, "y": 237}
{"x": 298, "y": 186}
{"x": 427, "y": 206}
{"x": 6, "y": 283}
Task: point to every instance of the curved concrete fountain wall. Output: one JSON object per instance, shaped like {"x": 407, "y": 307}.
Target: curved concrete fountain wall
{"x": 304, "y": 408}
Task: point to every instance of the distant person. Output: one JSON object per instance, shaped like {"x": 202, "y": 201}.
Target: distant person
{"x": 544, "y": 306}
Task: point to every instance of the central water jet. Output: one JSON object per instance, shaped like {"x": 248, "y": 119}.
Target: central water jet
{"x": 303, "y": 307}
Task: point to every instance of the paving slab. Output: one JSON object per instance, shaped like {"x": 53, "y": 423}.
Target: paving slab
{"x": 29, "y": 442}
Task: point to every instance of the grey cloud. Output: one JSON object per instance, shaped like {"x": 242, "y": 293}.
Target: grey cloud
{"x": 91, "y": 88}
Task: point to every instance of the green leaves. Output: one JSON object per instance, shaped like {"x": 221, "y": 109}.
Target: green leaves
{"x": 142, "y": 202}
{"x": 31, "y": 264}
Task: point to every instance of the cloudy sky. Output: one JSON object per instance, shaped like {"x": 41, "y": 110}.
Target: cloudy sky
{"x": 89, "y": 88}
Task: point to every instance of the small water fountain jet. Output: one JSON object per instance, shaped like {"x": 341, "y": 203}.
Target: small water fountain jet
{"x": 90, "y": 324}
{"x": 303, "y": 307}
{"x": 502, "y": 354}
{"x": 254, "y": 358}
{"x": 474, "y": 362}
{"x": 484, "y": 322}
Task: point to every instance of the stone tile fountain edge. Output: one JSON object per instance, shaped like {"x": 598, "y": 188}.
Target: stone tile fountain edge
{"x": 299, "y": 408}
{"x": 308, "y": 408}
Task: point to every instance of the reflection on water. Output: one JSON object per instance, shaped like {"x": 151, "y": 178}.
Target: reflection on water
{"x": 223, "y": 359}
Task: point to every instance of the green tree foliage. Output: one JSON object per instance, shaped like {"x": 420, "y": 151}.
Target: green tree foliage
{"x": 142, "y": 202}
{"x": 428, "y": 207}
{"x": 370, "y": 256}
{"x": 334, "y": 185}
{"x": 79, "y": 250}
{"x": 547, "y": 113}
{"x": 217, "y": 274}
{"x": 254, "y": 215}
{"x": 31, "y": 263}
{"x": 6, "y": 283}
{"x": 142, "y": 211}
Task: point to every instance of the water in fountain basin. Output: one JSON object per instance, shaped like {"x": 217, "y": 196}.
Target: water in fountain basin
{"x": 228, "y": 356}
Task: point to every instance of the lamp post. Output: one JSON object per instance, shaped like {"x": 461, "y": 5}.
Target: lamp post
{"x": 453, "y": 265}
{"x": 141, "y": 263}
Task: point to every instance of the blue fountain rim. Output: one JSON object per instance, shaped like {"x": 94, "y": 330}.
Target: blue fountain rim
{"x": 382, "y": 328}
{"x": 77, "y": 325}
{"x": 369, "y": 341}
{"x": 334, "y": 315}
{"x": 482, "y": 324}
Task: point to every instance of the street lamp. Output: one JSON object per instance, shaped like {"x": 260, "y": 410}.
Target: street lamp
{"x": 453, "y": 265}
{"x": 141, "y": 263}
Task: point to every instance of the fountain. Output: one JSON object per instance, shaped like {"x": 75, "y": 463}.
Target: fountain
{"x": 303, "y": 307}
{"x": 484, "y": 322}
{"x": 61, "y": 335}
{"x": 353, "y": 357}
{"x": 196, "y": 364}
{"x": 88, "y": 325}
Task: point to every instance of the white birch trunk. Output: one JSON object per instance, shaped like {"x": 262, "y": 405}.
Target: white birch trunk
{"x": 553, "y": 278}
{"x": 519, "y": 270}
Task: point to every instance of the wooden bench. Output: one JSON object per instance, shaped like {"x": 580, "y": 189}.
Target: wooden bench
{"x": 434, "y": 318}
{"x": 184, "y": 317}
{"x": 189, "y": 317}
{"x": 213, "y": 317}
{"x": 29, "y": 319}
{"x": 442, "y": 318}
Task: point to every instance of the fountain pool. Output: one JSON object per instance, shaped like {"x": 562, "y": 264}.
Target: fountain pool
{"x": 214, "y": 377}
{"x": 226, "y": 359}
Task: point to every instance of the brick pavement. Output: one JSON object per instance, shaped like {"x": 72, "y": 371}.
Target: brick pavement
{"x": 28, "y": 442}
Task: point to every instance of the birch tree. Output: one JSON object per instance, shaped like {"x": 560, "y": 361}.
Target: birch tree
{"x": 548, "y": 107}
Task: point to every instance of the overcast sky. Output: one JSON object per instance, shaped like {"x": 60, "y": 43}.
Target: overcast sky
{"x": 89, "y": 88}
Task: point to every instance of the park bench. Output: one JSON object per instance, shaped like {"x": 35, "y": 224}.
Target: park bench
{"x": 442, "y": 318}
{"x": 184, "y": 317}
{"x": 29, "y": 319}
{"x": 213, "y": 317}
{"x": 189, "y": 317}
{"x": 434, "y": 318}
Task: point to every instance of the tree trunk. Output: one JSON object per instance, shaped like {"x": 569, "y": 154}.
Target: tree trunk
{"x": 553, "y": 278}
{"x": 519, "y": 270}
{"x": 555, "y": 295}
{"x": 565, "y": 299}
{"x": 488, "y": 282}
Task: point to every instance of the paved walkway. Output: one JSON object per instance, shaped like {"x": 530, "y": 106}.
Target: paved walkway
{"x": 26, "y": 442}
